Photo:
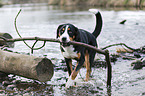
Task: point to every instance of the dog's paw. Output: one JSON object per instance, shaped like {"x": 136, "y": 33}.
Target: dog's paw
{"x": 86, "y": 79}
{"x": 69, "y": 83}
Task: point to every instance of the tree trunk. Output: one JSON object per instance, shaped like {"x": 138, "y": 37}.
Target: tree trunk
{"x": 27, "y": 66}
{"x": 7, "y": 36}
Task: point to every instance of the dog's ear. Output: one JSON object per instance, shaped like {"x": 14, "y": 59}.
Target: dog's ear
{"x": 76, "y": 31}
{"x": 77, "y": 34}
{"x": 58, "y": 29}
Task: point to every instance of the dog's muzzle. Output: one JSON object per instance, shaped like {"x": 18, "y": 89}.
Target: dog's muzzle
{"x": 64, "y": 42}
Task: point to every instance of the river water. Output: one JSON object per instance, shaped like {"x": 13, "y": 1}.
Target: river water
{"x": 43, "y": 20}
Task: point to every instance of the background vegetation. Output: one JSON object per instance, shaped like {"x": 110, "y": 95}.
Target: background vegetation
{"x": 105, "y": 3}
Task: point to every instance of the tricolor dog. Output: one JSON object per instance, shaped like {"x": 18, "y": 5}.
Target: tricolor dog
{"x": 68, "y": 32}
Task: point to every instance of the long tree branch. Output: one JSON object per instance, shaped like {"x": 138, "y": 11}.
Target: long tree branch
{"x": 53, "y": 40}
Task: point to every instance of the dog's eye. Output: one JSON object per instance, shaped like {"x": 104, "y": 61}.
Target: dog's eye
{"x": 61, "y": 32}
{"x": 70, "y": 32}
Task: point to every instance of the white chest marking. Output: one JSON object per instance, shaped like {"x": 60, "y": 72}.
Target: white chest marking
{"x": 69, "y": 52}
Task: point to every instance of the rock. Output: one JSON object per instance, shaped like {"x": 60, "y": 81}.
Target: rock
{"x": 5, "y": 83}
{"x": 114, "y": 57}
{"x": 99, "y": 64}
{"x": 123, "y": 22}
{"x": 137, "y": 55}
{"x": 3, "y": 75}
{"x": 16, "y": 82}
{"x": 142, "y": 49}
{"x": 137, "y": 65}
{"x": 7, "y": 36}
{"x": 11, "y": 87}
{"x": 143, "y": 93}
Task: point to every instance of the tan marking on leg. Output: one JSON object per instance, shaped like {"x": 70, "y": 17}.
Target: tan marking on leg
{"x": 74, "y": 73}
{"x": 71, "y": 79}
{"x": 79, "y": 55}
{"x": 70, "y": 64}
{"x": 87, "y": 66}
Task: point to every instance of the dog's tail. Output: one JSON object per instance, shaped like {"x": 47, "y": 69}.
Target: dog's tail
{"x": 98, "y": 22}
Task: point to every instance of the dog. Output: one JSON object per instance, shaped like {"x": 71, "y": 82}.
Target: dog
{"x": 69, "y": 32}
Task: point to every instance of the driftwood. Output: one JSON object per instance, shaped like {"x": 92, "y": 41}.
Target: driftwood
{"x": 123, "y": 50}
{"x": 27, "y": 66}
{"x": 7, "y": 36}
{"x": 127, "y": 49}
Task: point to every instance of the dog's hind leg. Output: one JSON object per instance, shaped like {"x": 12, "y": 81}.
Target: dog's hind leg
{"x": 91, "y": 59}
{"x": 69, "y": 65}
{"x": 87, "y": 65}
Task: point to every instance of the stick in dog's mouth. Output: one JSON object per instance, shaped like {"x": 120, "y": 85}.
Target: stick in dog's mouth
{"x": 65, "y": 44}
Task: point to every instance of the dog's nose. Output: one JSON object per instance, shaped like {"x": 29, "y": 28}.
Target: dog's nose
{"x": 64, "y": 39}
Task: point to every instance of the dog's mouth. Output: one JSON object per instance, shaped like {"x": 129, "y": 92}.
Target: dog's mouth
{"x": 65, "y": 44}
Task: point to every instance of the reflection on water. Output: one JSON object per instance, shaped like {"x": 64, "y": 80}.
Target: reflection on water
{"x": 42, "y": 21}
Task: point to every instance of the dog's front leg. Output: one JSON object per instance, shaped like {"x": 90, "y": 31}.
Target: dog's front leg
{"x": 73, "y": 75}
{"x": 69, "y": 65}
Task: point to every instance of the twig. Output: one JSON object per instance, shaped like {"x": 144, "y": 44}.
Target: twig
{"x": 31, "y": 38}
{"x": 32, "y": 48}
{"x": 3, "y": 47}
{"x": 120, "y": 44}
{"x": 15, "y": 23}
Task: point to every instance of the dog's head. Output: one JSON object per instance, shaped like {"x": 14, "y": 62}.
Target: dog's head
{"x": 66, "y": 33}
